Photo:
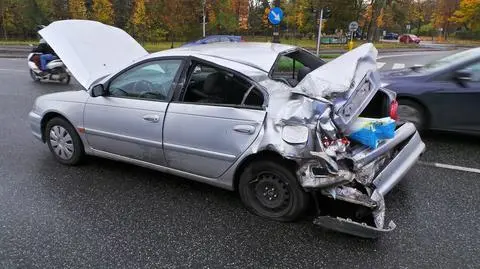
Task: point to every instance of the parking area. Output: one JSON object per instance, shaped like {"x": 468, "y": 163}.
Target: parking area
{"x": 112, "y": 215}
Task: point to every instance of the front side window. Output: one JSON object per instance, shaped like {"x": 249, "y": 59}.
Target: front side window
{"x": 212, "y": 85}
{"x": 152, "y": 80}
{"x": 473, "y": 71}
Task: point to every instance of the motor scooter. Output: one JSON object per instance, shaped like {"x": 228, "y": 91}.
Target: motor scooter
{"x": 55, "y": 70}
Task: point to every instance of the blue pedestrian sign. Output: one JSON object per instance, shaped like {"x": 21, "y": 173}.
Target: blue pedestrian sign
{"x": 275, "y": 15}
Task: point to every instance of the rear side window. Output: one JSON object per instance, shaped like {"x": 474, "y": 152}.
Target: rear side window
{"x": 215, "y": 86}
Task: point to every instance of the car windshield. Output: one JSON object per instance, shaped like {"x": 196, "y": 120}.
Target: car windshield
{"x": 447, "y": 61}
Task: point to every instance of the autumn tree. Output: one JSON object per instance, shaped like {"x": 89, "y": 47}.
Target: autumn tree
{"x": 77, "y": 9}
{"x": 468, "y": 14}
{"x": 443, "y": 12}
{"x": 102, "y": 11}
{"x": 137, "y": 21}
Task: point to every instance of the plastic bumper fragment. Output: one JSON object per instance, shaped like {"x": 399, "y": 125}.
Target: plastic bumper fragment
{"x": 353, "y": 228}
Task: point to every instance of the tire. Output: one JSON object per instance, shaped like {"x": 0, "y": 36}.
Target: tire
{"x": 34, "y": 76}
{"x": 66, "y": 80}
{"x": 410, "y": 111}
{"x": 64, "y": 142}
{"x": 269, "y": 189}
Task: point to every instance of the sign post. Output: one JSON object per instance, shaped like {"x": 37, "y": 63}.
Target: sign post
{"x": 275, "y": 16}
{"x": 319, "y": 32}
{"x": 352, "y": 27}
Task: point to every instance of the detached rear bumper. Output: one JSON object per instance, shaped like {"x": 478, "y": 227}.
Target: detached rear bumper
{"x": 403, "y": 161}
{"x": 400, "y": 154}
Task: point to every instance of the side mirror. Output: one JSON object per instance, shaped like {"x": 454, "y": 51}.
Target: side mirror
{"x": 416, "y": 67}
{"x": 97, "y": 90}
{"x": 463, "y": 76}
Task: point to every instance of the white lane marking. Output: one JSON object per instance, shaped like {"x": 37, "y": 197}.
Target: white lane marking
{"x": 12, "y": 70}
{"x": 451, "y": 167}
{"x": 398, "y": 66}
{"x": 406, "y": 55}
{"x": 380, "y": 65}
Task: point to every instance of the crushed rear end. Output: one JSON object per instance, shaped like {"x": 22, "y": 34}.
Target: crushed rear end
{"x": 349, "y": 179}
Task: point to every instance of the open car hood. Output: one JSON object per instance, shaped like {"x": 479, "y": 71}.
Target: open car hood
{"x": 91, "y": 49}
{"x": 341, "y": 75}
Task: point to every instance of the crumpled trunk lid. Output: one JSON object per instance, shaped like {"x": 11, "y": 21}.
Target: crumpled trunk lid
{"x": 91, "y": 49}
{"x": 349, "y": 82}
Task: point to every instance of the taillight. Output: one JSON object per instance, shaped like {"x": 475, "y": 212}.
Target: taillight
{"x": 394, "y": 110}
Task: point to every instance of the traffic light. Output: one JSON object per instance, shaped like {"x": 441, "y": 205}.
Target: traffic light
{"x": 327, "y": 12}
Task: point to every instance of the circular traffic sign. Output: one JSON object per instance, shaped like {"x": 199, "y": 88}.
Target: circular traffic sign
{"x": 275, "y": 15}
{"x": 353, "y": 26}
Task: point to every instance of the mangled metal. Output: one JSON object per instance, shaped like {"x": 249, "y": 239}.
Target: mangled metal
{"x": 309, "y": 124}
{"x": 340, "y": 76}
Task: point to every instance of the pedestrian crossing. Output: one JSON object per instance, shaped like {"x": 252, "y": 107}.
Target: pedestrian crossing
{"x": 384, "y": 66}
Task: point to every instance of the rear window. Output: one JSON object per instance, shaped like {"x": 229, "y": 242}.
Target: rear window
{"x": 292, "y": 67}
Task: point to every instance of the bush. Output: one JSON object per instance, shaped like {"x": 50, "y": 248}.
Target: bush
{"x": 469, "y": 35}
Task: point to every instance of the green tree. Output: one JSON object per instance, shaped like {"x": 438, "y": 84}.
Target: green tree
{"x": 77, "y": 9}
{"x": 102, "y": 11}
{"x": 137, "y": 21}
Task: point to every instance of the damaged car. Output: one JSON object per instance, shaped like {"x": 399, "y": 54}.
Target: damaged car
{"x": 273, "y": 122}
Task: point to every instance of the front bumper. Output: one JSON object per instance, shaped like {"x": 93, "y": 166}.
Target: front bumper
{"x": 35, "y": 121}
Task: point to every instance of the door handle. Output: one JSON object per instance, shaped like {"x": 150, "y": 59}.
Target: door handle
{"x": 246, "y": 129}
{"x": 152, "y": 118}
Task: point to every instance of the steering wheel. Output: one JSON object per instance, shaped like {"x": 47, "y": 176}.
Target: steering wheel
{"x": 119, "y": 90}
{"x": 147, "y": 84}
{"x": 155, "y": 95}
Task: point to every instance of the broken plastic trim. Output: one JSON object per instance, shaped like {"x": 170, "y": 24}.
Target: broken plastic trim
{"x": 351, "y": 195}
{"x": 351, "y": 227}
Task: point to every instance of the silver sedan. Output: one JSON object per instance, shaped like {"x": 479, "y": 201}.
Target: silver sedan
{"x": 267, "y": 120}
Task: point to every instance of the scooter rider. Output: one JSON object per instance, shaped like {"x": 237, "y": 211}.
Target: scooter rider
{"x": 47, "y": 53}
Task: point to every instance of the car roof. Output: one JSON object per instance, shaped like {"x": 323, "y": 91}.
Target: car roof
{"x": 261, "y": 56}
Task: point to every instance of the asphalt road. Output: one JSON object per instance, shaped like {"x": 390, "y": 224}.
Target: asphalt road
{"x": 107, "y": 214}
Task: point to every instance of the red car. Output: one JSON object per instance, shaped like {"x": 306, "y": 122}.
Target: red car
{"x": 409, "y": 39}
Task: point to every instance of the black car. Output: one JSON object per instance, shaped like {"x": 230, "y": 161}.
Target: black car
{"x": 443, "y": 95}
{"x": 391, "y": 36}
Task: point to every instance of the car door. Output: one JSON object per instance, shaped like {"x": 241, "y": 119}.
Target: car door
{"x": 128, "y": 120}
{"x": 455, "y": 98}
{"x": 216, "y": 118}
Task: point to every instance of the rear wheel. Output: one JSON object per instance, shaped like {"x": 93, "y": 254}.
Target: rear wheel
{"x": 64, "y": 142}
{"x": 270, "y": 190}
{"x": 409, "y": 111}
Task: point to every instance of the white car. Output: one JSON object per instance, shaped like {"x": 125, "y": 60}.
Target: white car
{"x": 267, "y": 120}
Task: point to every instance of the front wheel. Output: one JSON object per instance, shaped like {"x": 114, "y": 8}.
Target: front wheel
{"x": 64, "y": 142}
{"x": 66, "y": 79}
{"x": 34, "y": 76}
{"x": 270, "y": 190}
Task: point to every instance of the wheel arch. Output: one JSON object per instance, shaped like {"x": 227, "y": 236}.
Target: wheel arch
{"x": 47, "y": 117}
{"x": 261, "y": 155}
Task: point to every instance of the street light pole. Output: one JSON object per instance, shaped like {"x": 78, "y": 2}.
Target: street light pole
{"x": 203, "y": 17}
{"x": 319, "y": 32}
{"x": 276, "y": 28}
